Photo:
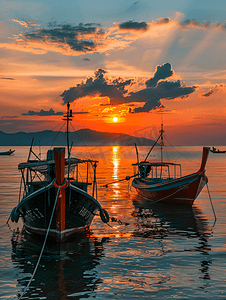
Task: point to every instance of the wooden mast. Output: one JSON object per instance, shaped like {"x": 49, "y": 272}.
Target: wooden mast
{"x": 161, "y": 143}
{"x": 68, "y": 117}
{"x": 59, "y": 156}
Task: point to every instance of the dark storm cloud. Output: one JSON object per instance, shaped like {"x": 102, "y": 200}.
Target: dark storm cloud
{"x": 132, "y": 25}
{"x": 97, "y": 85}
{"x": 195, "y": 24}
{"x": 162, "y": 72}
{"x": 42, "y": 112}
{"x": 206, "y": 25}
{"x": 212, "y": 91}
{"x": 142, "y": 25}
{"x": 149, "y": 105}
{"x": 118, "y": 89}
{"x": 81, "y": 38}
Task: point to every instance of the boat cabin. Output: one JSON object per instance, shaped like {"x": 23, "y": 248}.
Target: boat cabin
{"x": 39, "y": 173}
{"x": 157, "y": 171}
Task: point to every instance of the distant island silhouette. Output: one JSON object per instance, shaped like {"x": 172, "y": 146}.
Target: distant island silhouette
{"x": 82, "y": 137}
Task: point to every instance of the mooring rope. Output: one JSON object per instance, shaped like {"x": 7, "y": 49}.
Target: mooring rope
{"x": 153, "y": 202}
{"x": 211, "y": 204}
{"x": 126, "y": 178}
{"x": 37, "y": 264}
{"x": 6, "y": 223}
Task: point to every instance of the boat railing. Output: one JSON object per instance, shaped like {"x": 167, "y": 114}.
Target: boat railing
{"x": 36, "y": 174}
{"x": 162, "y": 171}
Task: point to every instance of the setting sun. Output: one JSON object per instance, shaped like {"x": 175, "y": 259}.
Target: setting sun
{"x": 115, "y": 119}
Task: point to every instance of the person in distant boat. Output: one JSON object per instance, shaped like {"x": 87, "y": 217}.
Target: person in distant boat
{"x": 214, "y": 149}
{"x": 144, "y": 171}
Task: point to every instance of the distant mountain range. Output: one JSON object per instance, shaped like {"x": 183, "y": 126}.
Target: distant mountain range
{"x": 82, "y": 137}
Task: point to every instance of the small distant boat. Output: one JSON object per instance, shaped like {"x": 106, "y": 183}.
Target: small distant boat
{"x": 162, "y": 181}
{"x": 214, "y": 150}
{"x": 9, "y": 152}
{"x": 54, "y": 200}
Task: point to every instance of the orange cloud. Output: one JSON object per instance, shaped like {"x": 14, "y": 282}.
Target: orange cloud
{"x": 91, "y": 37}
{"x": 26, "y": 24}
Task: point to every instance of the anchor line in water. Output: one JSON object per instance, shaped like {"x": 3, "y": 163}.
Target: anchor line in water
{"x": 40, "y": 256}
{"x": 215, "y": 218}
{"x": 153, "y": 202}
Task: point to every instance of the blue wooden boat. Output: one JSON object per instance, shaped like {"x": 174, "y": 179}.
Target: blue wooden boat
{"x": 53, "y": 200}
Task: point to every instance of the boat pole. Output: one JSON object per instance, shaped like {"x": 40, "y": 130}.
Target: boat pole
{"x": 68, "y": 117}
{"x": 59, "y": 157}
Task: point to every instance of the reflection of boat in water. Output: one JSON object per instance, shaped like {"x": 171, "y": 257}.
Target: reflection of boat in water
{"x": 9, "y": 152}
{"x": 66, "y": 269}
{"x": 163, "y": 182}
{"x": 54, "y": 201}
{"x": 161, "y": 220}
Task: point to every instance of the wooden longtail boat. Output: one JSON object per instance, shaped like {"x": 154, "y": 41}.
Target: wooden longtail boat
{"x": 214, "y": 150}
{"x": 162, "y": 181}
{"x": 9, "y": 152}
{"x": 54, "y": 201}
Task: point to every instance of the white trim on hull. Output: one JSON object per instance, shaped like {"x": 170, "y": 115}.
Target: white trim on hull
{"x": 59, "y": 236}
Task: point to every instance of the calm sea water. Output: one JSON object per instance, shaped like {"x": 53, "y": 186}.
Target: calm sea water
{"x": 153, "y": 251}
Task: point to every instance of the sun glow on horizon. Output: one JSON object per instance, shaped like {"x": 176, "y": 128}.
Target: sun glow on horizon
{"x": 115, "y": 119}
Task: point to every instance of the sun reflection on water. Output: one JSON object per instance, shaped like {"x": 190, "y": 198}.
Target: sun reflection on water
{"x": 115, "y": 161}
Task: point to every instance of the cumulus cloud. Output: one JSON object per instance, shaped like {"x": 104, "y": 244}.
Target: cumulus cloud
{"x": 134, "y": 26}
{"x": 207, "y": 25}
{"x": 97, "y": 85}
{"x": 142, "y": 25}
{"x": 81, "y": 38}
{"x": 66, "y": 39}
{"x": 162, "y": 72}
{"x": 213, "y": 90}
{"x": 117, "y": 90}
{"x": 91, "y": 37}
{"x": 42, "y": 113}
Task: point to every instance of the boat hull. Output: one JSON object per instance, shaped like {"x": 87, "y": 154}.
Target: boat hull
{"x": 36, "y": 211}
{"x": 183, "y": 190}
{"x": 7, "y": 152}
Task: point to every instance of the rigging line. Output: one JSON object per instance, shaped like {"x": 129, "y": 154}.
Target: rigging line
{"x": 36, "y": 267}
{"x": 152, "y": 147}
{"x": 46, "y": 133}
{"x": 180, "y": 151}
{"x": 58, "y": 133}
{"x": 82, "y": 142}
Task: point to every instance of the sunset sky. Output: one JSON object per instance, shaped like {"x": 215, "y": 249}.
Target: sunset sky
{"x": 139, "y": 62}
